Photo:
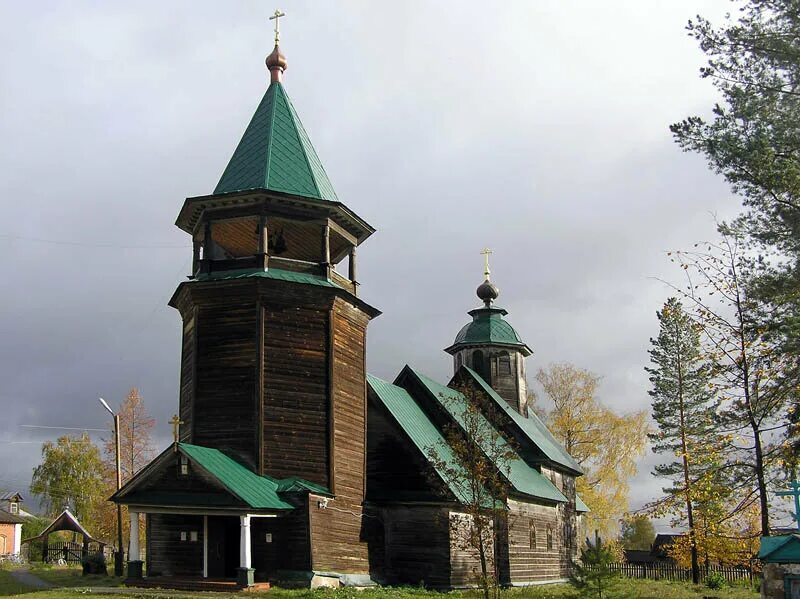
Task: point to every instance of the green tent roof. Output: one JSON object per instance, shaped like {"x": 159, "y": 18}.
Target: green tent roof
{"x": 258, "y": 492}
{"x": 580, "y": 506}
{"x": 488, "y": 327}
{"x": 275, "y": 153}
{"x": 522, "y": 477}
{"x": 780, "y": 549}
{"x": 418, "y": 427}
{"x": 532, "y": 427}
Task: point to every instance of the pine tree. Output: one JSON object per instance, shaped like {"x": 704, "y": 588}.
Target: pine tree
{"x": 593, "y": 574}
{"x": 681, "y": 408}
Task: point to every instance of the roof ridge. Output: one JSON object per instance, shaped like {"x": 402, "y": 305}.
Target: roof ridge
{"x": 298, "y": 125}
{"x": 268, "y": 156}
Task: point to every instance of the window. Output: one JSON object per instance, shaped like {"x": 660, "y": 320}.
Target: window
{"x": 183, "y": 535}
{"x": 14, "y": 507}
{"x": 549, "y": 538}
{"x": 193, "y": 536}
{"x": 479, "y": 364}
{"x": 504, "y": 364}
{"x": 184, "y": 466}
{"x": 532, "y": 526}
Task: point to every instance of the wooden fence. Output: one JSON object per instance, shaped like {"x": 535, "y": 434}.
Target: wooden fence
{"x": 671, "y": 571}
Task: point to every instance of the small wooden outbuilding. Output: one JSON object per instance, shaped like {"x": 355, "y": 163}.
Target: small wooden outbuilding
{"x": 780, "y": 556}
{"x": 70, "y": 552}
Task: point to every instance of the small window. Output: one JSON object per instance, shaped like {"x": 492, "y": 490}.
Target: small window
{"x": 184, "y": 466}
{"x": 183, "y": 535}
{"x": 14, "y": 507}
{"x": 549, "y": 538}
{"x": 504, "y": 366}
{"x": 193, "y": 536}
{"x": 532, "y": 534}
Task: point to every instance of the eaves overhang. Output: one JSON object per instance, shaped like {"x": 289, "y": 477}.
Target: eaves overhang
{"x": 193, "y": 208}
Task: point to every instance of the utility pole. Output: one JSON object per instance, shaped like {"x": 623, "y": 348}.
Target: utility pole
{"x": 118, "y": 554}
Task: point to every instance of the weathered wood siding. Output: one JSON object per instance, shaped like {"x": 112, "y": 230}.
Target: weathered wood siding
{"x": 535, "y": 563}
{"x": 396, "y": 470}
{"x": 295, "y": 404}
{"x": 196, "y": 484}
{"x": 225, "y": 402}
{"x": 410, "y": 545}
{"x": 188, "y": 355}
{"x": 167, "y": 555}
{"x": 337, "y": 540}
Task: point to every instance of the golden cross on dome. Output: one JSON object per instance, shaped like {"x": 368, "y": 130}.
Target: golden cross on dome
{"x": 486, "y": 253}
{"x": 176, "y": 423}
{"x": 276, "y": 17}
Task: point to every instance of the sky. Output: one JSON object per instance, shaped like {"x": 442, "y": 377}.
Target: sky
{"x": 536, "y": 128}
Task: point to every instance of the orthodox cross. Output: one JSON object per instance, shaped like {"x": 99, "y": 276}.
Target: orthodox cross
{"x": 486, "y": 253}
{"x": 794, "y": 492}
{"x": 276, "y": 17}
{"x": 176, "y": 423}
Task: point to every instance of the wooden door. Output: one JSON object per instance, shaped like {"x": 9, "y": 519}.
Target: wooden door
{"x": 223, "y": 546}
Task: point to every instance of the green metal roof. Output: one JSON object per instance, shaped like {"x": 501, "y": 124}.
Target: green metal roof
{"x": 522, "y": 477}
{"x": 580, "y": 506}
{"x": 532, "y": 426}
{"x": 422, "y": 432}
{"x": 271, "y": 273}
{"x": 781, "y": 549}
{"x": 258, "y": 492}
{"x": 488, "y": 328}
{"x": 275, "y": 153}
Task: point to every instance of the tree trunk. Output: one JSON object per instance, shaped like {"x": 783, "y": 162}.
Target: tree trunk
{"x": 762, "y": 484}
{"x": 685, "y": 461}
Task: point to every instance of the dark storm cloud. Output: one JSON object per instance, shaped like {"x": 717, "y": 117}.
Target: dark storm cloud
{"x": 539, "y": 129}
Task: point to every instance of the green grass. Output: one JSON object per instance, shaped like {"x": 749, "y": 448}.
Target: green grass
{"x": 622, "y": 589}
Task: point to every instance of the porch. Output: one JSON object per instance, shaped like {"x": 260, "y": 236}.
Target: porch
{"x": 213, "y": 549}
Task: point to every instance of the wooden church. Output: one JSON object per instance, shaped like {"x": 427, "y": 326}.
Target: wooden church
{"x": 290, "y": 463}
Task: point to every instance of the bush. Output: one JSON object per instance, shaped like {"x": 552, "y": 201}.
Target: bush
{"x": 94, "y": 563}
{"x": 715, "y": 580}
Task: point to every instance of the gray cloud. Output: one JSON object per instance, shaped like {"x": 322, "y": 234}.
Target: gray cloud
{"x": 539, "y": 129}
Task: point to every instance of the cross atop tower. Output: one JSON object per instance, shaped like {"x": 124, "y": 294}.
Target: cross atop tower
{"x": 276, "y": 17}
{"x": 486, "y": 253}
{"x": 794, "y": 492}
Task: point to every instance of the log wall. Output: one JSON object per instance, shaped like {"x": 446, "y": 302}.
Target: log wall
{"x": 530, "y": 559}
{"x": 167, "y": 555}
{"x": 338, "y": 541}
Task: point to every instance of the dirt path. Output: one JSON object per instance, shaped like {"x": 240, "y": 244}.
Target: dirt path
{"x": 23, "y": 576}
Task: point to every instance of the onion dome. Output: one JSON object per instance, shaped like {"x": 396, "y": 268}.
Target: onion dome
{"x": 487, "y": 292}
{"x": 277, "y": 64}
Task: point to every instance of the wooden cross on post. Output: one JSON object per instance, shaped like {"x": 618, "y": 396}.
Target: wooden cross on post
{"x": 486, "y": 253}
{"x": 176, "y": 424}
{"x": 794, "y": 492}
{"x": 276, "y": 17}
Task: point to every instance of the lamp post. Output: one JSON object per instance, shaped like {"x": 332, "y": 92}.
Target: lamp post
{"x": 118, "y": 556}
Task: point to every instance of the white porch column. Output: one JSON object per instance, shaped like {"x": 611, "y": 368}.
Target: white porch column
{"x": 244, "y": 542}
{"x": 133, "y": 547}
{"x": 205, "y": 546}
{"x": 17, "y": 538}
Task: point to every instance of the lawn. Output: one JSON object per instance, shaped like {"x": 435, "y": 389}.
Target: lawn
{"x": 75, "y": 586}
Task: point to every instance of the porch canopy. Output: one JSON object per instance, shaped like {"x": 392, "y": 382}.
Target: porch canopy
{"x": 187, "y": 481}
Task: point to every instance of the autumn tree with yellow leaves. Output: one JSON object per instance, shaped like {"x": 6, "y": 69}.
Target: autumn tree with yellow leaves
{"x": 752, "y": 379}
{"x": 606, "y": 445}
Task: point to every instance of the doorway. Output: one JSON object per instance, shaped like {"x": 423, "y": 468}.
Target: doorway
{"x": 223, "y": 546}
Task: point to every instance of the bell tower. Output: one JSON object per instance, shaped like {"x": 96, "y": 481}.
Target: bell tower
{"x": 492, "y": 348}
{"x": 274, "y": 335}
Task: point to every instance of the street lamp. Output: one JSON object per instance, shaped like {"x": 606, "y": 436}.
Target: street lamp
{"x": 118, "y": 566}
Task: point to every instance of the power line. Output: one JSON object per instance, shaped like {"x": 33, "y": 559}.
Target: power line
{"x": 67, "y": 428}
{"x": 93, "y": 245}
